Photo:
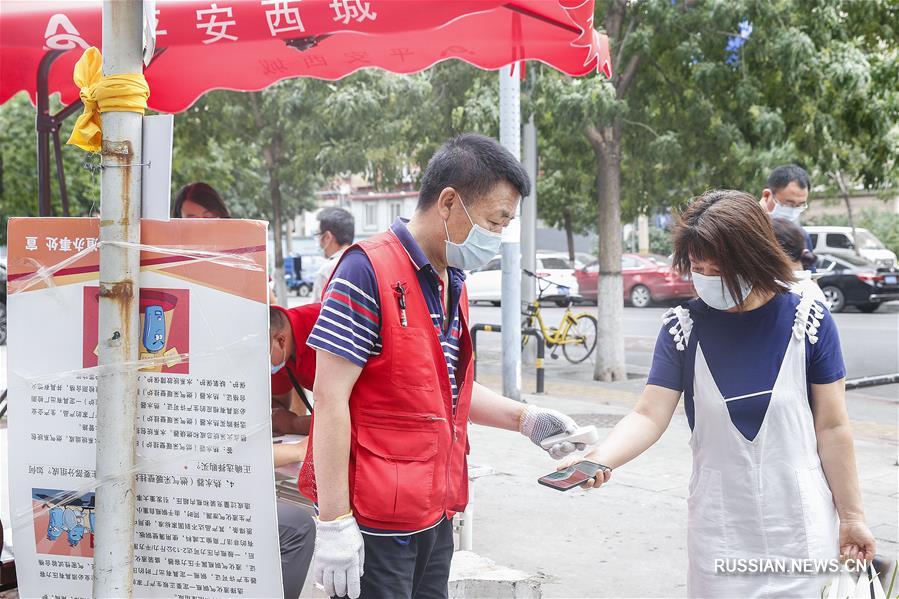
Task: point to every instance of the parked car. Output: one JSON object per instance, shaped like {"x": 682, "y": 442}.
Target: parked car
{"x": 839, "y": 242}
{"x": 485, "y": 284}
{"x": 300, "y": 271}
{"x": 855, "y": 281}
{"x": 647, "y": 279}
{"x": 2, "y": 303}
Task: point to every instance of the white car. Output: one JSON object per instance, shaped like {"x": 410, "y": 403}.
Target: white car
{"x": 838, "y": 241}
{"x": 485, "y": 284}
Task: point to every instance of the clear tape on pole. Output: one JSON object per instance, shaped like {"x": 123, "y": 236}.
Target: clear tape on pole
{"x": 44, "y": 274}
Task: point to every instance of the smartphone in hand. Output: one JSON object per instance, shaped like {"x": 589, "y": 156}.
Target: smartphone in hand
{"x": 573, "y": 476}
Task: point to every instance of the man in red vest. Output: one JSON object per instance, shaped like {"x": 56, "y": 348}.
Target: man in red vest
{"x": 293, "y": 364}
{"x": 394, "y": 392}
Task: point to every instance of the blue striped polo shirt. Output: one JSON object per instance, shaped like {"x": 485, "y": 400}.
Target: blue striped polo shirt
{"x": 350, "y": 322}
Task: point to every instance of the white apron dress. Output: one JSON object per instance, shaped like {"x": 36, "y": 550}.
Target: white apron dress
{"x": 759, "y": 499}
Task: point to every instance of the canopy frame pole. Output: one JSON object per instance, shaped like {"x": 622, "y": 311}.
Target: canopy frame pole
{"x": 47, "y": 124}
{"x": 510, "y": 138}
{"x": 118, "y": 327}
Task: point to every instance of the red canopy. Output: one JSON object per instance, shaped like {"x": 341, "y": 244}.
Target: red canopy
{"x": 248, "y": 45}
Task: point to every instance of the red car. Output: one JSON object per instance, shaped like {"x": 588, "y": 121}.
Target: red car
{"x": 647, "y": 279}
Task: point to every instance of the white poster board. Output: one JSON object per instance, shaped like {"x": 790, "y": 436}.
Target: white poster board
{"x": 205, "y": 516}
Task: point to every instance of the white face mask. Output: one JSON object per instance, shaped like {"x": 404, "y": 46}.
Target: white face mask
{"x": 715, "y": 294}
{"x": 479, "y": 247}
{"x": 790, "y": 213}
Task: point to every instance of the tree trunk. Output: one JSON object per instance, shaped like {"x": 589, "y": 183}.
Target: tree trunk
{"x": 610, "y": 360}
{"x": 844, "y": 193}
{"x": 569, "y": 233}
{"x": 274, "y": 186}
{"x": 272, "y": 156}
{"x": 288, "y": 237}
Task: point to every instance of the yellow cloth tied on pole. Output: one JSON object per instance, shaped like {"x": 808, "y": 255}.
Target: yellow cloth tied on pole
{"x": 117, "y": 93}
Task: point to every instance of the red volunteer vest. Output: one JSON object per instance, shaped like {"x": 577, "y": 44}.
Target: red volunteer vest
{"x": 408, "y": 465}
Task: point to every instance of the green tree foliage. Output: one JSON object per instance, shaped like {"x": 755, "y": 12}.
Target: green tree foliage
{"x": 18, "y": 166}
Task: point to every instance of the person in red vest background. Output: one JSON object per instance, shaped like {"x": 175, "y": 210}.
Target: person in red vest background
{"x": 293, "y": 365}
{"x": 394, "y": 392}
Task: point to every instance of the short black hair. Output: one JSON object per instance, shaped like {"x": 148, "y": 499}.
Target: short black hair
{"x": 473, "y": 165}
{"x": 278, "y": 322}
{"x": 339, "y": 222}
{"x": 784, "y": 175}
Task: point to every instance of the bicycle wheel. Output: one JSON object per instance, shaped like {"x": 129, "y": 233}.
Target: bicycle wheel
{"x": 580, "y": 340}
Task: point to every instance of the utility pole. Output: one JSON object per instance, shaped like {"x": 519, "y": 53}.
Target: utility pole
{"x": 120, "y": 198}
{"x": 529, "y": 228}
{"x": 510, "y": 137}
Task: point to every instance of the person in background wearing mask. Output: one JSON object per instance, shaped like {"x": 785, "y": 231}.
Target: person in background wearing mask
{"x": 393, "y": 385}
{"x": 789, "y": 236}
{"x": 293, "y": 366}
{"x": 760, "y": 369}
{"x": 336, "y": 230}
{"x": 786, "y": 196}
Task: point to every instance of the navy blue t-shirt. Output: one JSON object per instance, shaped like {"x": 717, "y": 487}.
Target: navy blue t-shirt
{"x": 744, "y": 352}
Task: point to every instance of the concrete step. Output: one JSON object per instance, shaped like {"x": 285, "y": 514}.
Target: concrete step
{"x": 473, "y": 576}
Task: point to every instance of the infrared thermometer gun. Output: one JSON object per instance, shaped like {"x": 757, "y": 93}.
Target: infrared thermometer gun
{"x": 587, "y": 435}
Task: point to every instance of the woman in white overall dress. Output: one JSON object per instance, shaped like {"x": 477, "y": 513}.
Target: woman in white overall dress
{"x": 774, "y": 475}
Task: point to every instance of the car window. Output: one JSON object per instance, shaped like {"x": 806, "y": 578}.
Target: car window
{"x": 660, "y": 260}
{"x": 839, "y": 241}
{"x": 555, "y": 263}
{"x": 825, "y": 264}
{"x": 630, "y": 263}
{"x": 865, "y": 241}
{"x": 593, "y": 267}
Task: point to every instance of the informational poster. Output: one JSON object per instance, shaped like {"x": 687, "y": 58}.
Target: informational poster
{"x": 205, "y": 521}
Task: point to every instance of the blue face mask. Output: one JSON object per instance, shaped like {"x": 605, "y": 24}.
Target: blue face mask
{"x": 277, "y": 367}
{"x": 479, "y": 247}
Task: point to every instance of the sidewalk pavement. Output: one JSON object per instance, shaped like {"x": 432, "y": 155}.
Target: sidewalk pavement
{"x": 627, "y": 539}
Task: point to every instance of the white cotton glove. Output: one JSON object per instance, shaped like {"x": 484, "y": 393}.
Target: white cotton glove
{"x": 538, "y": 423}
{"x": 339, "y": 557}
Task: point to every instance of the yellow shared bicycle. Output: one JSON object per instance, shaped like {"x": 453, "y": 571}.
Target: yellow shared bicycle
{"x": 576, "y": 333}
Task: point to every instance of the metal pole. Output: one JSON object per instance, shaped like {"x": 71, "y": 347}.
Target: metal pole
{"x": 529, "y": 226}
{"x": 120, "y": 185}
{"x": 44, "y": 124}
{"x": 643, "y": 234}
{"x": 60, "y": 172}
{"x": 510, "y": 137}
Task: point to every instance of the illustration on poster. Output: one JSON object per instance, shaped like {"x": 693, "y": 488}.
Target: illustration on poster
{"x": 164, "y": 324}
{"x": 67, "y": 513}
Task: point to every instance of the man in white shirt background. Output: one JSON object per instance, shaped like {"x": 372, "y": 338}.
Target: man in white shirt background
{"x": 336, "y": 229}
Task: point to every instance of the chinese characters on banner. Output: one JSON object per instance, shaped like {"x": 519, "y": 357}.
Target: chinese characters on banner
{"x": 205, "y": 509}
{"x": 218, "y": 21}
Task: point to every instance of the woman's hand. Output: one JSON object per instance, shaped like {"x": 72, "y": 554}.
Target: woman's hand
{"x": 602, "y": 476}
{"x": 856, "y": 541}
